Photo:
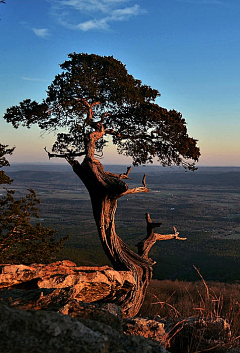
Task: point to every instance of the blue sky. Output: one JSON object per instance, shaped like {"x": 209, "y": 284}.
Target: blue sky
{"x": 187, "y": 49}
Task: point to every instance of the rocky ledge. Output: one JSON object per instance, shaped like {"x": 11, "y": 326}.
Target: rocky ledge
{"x": 64, "y": 308}
{"x": 97, "y": 330}
{"x": 44, "y": 285}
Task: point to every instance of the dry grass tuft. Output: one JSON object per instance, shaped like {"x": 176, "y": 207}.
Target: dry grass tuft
{"x": 205, "y": 317}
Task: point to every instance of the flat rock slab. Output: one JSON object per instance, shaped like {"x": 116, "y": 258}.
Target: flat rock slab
{"x": 39, "y": 285}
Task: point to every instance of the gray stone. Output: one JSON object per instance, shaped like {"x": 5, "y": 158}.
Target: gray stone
{"x": 41, "y": 331}
{"x": 145, "y": 327}
{"x": 106, "y": 313}
{"x": 49, "y": 332}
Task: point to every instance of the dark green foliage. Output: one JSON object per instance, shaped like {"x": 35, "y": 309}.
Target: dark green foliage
{"x": 4, "y": 178}
{"x": 26, "y": 113}
{"x": 121, "y": 104}
{"x": 22, "y": 239}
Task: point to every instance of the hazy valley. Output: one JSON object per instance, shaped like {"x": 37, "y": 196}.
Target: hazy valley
{"x": 204, "y": 206}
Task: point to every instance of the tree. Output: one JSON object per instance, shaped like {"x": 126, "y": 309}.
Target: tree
{"x": 22, "y": 240}
{"x": 94, "y": 97}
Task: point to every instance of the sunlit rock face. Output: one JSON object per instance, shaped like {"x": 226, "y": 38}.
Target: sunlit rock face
{"x": 62, "y": 308}
{"x": 60, "y": 282}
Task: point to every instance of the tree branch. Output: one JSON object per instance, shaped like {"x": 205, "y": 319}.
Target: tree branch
{"x": 65, "y": 156}
{"x": 120, "y": 176}
{"x": 146, "y": 244}
{"x": 125, "y": 175}
{"x": 137, "y": 189}
{"x": 90, "y": 106}
{"x": 84, "y": 100}
{"x": 112, "y": 132}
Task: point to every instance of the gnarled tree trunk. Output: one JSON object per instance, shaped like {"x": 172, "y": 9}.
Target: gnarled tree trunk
{"x": 105, "y": 189}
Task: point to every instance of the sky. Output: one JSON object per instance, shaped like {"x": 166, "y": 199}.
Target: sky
{"x": 187, "y": 49}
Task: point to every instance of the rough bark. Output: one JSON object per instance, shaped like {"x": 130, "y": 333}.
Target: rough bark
{"x": 104, "y": 190}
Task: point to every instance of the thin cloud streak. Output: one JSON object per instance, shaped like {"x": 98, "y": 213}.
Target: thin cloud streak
{"x": 33, "y": 79}
{"x": 98, "y": 13}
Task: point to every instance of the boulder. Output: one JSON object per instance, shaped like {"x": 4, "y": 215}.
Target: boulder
{"x": 38, "y": 331}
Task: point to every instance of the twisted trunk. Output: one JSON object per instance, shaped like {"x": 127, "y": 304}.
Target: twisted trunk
{"x": 105, "y": 189}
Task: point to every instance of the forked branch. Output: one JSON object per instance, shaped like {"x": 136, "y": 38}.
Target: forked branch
{"x": 146, "y": 244}
{"x": 120, "y": 176}
{"x": 125, "y": 175}
{"x": 89, "y": 106}
{"x": 137, "y": 189}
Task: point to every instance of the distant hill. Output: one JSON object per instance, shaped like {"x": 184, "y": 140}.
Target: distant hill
{"x": 64, "y": 167}
{"x": 215, "y": 176}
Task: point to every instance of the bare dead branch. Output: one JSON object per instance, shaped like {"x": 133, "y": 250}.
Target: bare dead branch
{"x": 120, "y": 176}
{"x": 169, "y": 236}
{"x": 146, "y": 244}
{"x": 137, "y": 189}
{"x": 125, "y": 175}
{"x": 144, "y": 181}
{"x": 95, "y": 103}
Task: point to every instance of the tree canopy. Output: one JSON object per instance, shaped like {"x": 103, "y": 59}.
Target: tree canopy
{"x": 95, "y": 93}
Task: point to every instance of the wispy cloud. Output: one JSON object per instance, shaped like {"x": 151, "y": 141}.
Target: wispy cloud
{"x": 87, "y": 15}
{"x": 41, "y": 32}
{"x": 34, "y": 79}
{"x": 92, "y": 5}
